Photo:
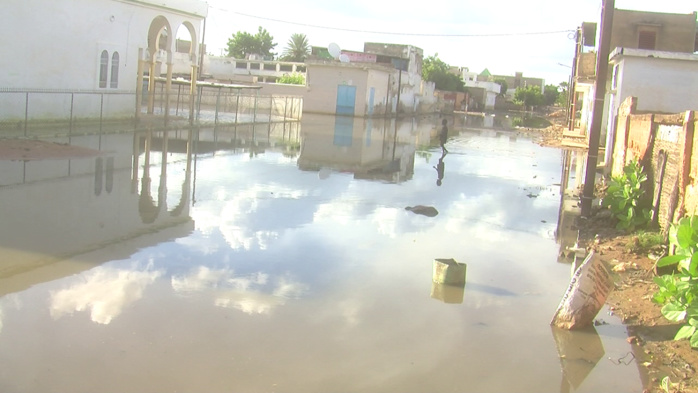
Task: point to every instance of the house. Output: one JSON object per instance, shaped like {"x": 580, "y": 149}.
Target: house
{"x": 83, "y": 58}
{"x": 662, "y": 82}
{"x": 482, "y": 93}
{"x": 631, "y": 30}
{"x": 516, "y": 81}
{"x": 384, "y": 80}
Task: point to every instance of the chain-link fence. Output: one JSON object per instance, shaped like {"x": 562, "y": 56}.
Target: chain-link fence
{"x": 31, "y": 113}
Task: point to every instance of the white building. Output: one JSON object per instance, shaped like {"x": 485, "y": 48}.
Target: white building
{"x": 662, "y": 82}
{"x": 490, "y": 89}
{"x": 82, "y": 56}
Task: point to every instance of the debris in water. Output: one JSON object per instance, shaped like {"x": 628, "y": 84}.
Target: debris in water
{"x": 585, "y": 296}
{"x": 428, "y": 211}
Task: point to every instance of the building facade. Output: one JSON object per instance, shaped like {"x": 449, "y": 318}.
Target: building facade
{"x": 631, "y": 30}
{"x": 93, "y": 49}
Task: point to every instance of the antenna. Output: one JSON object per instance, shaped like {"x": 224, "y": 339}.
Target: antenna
{"x": 334, "y": 50}
{"x": 344, "y": 58}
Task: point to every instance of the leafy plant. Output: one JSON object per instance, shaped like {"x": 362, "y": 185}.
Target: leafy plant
{"x": 292, "y": 79}
{"x": 644, "y": 241}
{"x": 678, "y": 292}
{"x": 624, "y": 197}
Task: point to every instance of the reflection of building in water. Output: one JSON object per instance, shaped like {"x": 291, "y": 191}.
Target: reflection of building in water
{"x": 65, "y": 211}
{"x": 448, "y": 281}
{"x": 370, "y": 149}
{"x": 250, "y": 138}
{"x": 567, "y": 233}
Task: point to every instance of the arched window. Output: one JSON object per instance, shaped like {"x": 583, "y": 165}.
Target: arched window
{"x": 103, "y": 69}
{"x": 114, "y": 81}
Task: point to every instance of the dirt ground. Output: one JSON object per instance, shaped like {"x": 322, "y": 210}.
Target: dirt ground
{"x": 32, "y": 149}
{"x": 649, "y": 332}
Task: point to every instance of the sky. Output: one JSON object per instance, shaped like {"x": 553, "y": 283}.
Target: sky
{"x": 500, "y": 35}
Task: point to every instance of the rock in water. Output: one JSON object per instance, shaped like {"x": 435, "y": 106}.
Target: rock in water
{"x": 428, "y": 211}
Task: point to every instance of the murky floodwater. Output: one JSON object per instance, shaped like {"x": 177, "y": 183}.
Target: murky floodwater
{"x": 282, "y": 259}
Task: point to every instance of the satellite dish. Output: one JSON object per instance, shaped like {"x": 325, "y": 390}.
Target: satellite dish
{"x": 334, "y": 50}
{"x": 343, "y": 58}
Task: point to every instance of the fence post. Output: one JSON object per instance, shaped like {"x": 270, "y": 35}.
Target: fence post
{"x": 139, "y": 83}
{"x": 72, "y": 99}
{"x": 26, "y": 112}
{"x": 285, "y": 108}
{"x": 271, "y": 107}
{"x": 179, "y": 93}
{"x": 254, "y": 114}
{"x": 101, "y": 111}
{"x": 218, "y": 100}
{"x": 237, "y": 106}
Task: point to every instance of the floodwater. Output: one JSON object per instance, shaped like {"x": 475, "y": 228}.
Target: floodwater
{"x": 281, "y": 259}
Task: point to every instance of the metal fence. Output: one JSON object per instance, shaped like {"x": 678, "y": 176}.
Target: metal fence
{"x": 36, "y": 112}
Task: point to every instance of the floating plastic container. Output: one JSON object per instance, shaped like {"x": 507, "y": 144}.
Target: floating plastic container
{"x": 449, "y": 272}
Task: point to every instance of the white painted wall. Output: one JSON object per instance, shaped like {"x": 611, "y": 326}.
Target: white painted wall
{"x": 665, "y": 82}
{"x": 56, "y": 45}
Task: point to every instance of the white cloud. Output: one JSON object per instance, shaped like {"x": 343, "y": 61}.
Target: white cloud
{"x": 200, "y": 279}
{"x": 105, "y": 292}
{"x": 244, "y": 293}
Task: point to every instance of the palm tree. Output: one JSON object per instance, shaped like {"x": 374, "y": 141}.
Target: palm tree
{"x": 297, "y": 48}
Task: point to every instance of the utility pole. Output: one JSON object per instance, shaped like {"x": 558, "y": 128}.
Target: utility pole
{"x": 572, "y": 86}
{"x": 599, "y": 99}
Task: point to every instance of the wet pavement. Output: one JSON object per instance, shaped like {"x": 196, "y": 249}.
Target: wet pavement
{"x": 281, "y": 258}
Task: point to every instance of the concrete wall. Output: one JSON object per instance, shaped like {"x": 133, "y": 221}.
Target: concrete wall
{"x": 662, "y": 81}
{"x": 322, "y": 84}
{"x": 674, "y": 32}
{"x": 665, "y": 145}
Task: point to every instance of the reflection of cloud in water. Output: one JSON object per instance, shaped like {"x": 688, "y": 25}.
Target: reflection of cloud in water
{"x": 243, "y": 293}
{"x": 339, "y": 211}
{"x": 105, "y": 292}
{"x": 250, "y": 302}
{"x": 237, "y": 214}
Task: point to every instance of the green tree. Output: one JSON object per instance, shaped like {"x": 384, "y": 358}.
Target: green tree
{"x": 243, "y": 43}
{"x": 528, "y": 96}
{"x": 504, "y": 86}
{"x": 551, "y": 95}
{"x": 564, "y": 94}
{"x": 437, "y": 71}
{"x": 297, "y": 48}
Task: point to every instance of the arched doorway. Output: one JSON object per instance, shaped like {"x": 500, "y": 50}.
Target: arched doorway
{"x": 159, "y": 49}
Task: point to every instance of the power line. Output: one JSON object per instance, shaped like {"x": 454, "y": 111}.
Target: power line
{"x": 395, "y": 33}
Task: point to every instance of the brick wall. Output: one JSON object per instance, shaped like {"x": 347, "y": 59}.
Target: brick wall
{"x": 664, "y": 145}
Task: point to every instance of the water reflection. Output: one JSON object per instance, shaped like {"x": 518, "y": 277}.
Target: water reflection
{"x": 440, "y": 169}
{"x": 252, "y": 294}
{"x": 567, "y": 233}
{"x": 369, "y": 149}
{"x": 94, "y": 202}
{"x": 268, "y": 254}
{"x": 579, "y": 351}
{"x": 105, "y": 292}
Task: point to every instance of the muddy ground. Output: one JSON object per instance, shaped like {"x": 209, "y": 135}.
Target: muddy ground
{"x": 33, "y": 149}
{"x": 649, "y": 332}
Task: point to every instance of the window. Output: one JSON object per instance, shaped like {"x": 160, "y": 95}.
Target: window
{"x": 103, "y": 69}
{"x": 647, "y": 40}
{"x": 114, "y": 81}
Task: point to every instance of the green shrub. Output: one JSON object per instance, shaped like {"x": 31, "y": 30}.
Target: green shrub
{"x": 624, "y": 197}
{"x": 678, "y": 291}
{"x": 292, "y": 79}
{"x": 643, "y": 242}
